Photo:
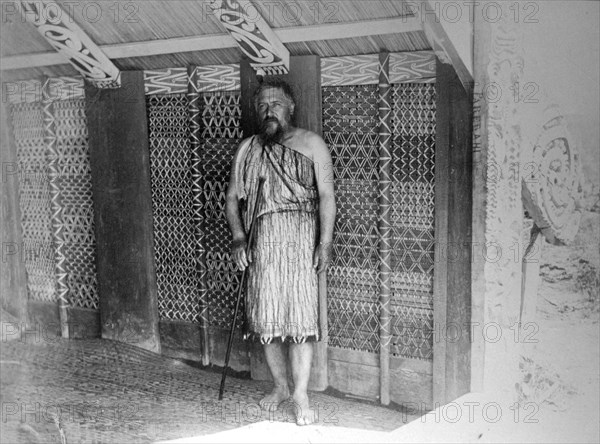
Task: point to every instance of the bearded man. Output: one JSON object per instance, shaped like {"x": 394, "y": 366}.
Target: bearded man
{"x": 293, "y": 238}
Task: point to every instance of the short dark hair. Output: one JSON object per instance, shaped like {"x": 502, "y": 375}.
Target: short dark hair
{"x": 275, "y": 83}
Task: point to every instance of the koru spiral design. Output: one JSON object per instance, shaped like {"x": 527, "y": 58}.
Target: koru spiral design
{"x": 552, "y": 184}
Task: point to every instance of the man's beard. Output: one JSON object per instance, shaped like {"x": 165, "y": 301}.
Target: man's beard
{"x": 268, "y": 135}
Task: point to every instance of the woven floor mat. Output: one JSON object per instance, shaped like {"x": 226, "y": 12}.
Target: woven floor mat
{"x": 101, "y": 391}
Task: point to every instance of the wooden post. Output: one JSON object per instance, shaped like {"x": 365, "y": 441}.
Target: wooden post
{"x": 119, "y": 158}
{"x": 452, "y": 273}
{"x": 194, "y": 113}
{"x": 384, "y": 226}
{"x": 58, "y": 241}
{"x": 13, "y": 279}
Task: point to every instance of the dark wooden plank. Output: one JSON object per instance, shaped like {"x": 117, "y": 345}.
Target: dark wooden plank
{"x": 43, "y": 322}
{"x": 440, "y": 270}
{"x": 372, "y": 360}
{"x": 357, "y": 376}
{"x": 455, "y": 116}
{"x": 45, "y": 325}
{"x": 120, "y": 167}
{"x": 460, "y": 204}
{"x": 217, "y": 347}
{"x": 13, "y": 278}
{"x": 83, "y": 323}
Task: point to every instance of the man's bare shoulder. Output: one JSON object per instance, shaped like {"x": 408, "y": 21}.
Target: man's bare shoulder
{"x": 242, "y": 144}
{"x": 310, "y": 140}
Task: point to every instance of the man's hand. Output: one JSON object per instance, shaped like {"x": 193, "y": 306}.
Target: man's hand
{"x": 322, "y": 256}
{"x": 238, "y": 253}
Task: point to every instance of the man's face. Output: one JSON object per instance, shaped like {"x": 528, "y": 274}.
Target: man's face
{"x": 274, "y": 114}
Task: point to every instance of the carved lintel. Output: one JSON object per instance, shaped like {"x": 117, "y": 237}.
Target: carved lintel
{"x": 71, "y": 41}
{"x": 268, "y": 55}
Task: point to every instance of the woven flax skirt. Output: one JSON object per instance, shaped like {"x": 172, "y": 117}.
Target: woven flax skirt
{"x": 282, "y": 293}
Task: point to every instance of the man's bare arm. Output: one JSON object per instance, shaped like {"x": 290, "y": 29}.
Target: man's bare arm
{"x": 327, "y": 206}
{"x": 234, "y": 218}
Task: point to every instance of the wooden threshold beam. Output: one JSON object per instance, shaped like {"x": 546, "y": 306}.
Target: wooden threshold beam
{"x": 364, "y": 28}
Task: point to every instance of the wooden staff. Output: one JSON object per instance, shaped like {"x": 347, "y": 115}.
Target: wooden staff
{"x": 261, "y": 181}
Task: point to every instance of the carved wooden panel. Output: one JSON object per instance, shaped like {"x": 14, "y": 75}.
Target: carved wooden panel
{"x": 70, "y": 40}
{"x": 254, "y": 36}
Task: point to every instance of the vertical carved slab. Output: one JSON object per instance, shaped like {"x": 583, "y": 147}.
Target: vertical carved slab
{"x": 384, "y": 224}
{"x": 58, "y": 241}
{"x": 256, "y": 39}
{"x": 498, "y": 134}
{"x": 194, "y": 115}
{"x": 71, "y": 41}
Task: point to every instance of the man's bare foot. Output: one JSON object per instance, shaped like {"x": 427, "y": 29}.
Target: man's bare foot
{"x": 304, "y": 415}
{"x": 273, "y": 399}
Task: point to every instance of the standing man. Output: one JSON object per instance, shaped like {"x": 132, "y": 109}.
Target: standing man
{"x": 293, "y": 238}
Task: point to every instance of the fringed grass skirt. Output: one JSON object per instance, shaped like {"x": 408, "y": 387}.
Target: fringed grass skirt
{"x": 282, "y": 301}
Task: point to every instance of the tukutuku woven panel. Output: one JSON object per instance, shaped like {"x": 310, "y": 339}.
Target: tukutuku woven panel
{"x": 76, "y": 201}
{"x": 171, "y": 183}
{"x": 221, "y": 134}
{"x": 350, "y": 128}
{"x": 37, "y": 249}
{"x": 413, "y": 122}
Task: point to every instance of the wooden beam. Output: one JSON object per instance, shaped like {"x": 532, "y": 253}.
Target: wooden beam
{"x": 294, "y": 34}
{"x": 120, "y": 167}
{"x": 254, "y": 36}
{"x": 13, "y": 275}
{"x": 452, "y": 274}
{"x": 71, "y": 42}
{"x": 441, "y": 43}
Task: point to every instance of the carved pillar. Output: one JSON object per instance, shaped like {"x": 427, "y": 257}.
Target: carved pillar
{"x": 497, "y": 207}
{"x": 58, "y": 241}
{"x": 384, "y": 226}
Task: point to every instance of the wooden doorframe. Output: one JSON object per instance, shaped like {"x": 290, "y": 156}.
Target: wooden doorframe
{"x": 453, "y": 234}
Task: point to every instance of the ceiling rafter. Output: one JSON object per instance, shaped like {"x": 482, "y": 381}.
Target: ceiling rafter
{"x": 363, "y": 28}
{"x": 71, "y": 42}
{"x": 254, "y": 36}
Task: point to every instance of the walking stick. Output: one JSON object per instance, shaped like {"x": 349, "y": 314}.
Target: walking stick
{"x": 261, "y": 181}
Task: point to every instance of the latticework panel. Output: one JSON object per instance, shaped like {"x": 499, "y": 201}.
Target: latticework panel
{"x": 37, "y": 250}
{"x": 171, "y": 183}
{"x": 413, "y": 219}
{"x": 350, "y": 126}
{"x": 76, "y": 200}
{"x": 221, "y": 134}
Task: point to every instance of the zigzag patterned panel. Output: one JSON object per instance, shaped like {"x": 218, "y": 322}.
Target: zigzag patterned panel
{"x": 76, "y": 202}
{"x": 166, "y": 81}
{"x": 171, "y": 182}
{"x": 218, "y": 77}
{"x": 417, "y": 66}
{"x": 350, "y": 70}
{"x": 221, "y": 134}
{"x": 413, "y": 123}
{"x": 34, "y": 182}
{"x": 350, "y": 129}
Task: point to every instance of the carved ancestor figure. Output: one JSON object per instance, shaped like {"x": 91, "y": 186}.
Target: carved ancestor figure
{"x": 294, "y": 229}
